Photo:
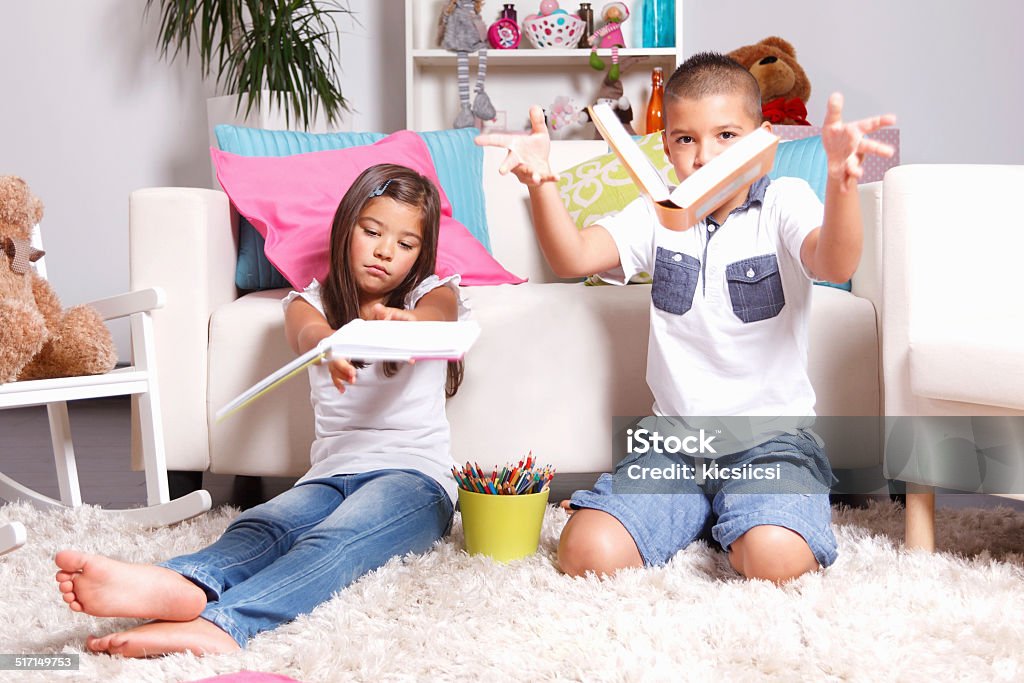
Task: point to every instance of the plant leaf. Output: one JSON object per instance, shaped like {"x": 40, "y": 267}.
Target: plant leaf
{"x": 287, "y": 46}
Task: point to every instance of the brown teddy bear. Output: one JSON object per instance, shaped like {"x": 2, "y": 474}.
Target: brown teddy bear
{"x": 785, "y": 87}
{"x": 37, "y": 338}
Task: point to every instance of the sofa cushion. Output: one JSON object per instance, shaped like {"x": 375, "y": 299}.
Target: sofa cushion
{"x": 291, "y": 201}
{"x": 457, "y": 161}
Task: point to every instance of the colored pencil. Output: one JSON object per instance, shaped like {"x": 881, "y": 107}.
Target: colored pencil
{"x": 524, "y": 478}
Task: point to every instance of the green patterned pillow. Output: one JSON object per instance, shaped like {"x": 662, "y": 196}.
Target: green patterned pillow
{"x": 600, "y": 186}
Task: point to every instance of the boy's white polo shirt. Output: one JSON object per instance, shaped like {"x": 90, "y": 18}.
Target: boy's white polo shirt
{"x": 706, "y": 361}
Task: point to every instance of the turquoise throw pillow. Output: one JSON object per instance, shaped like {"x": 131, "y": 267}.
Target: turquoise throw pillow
{"x": 802, "y": 159}
{"x": 805, "y": 159}
{"x": 459, "y": 164}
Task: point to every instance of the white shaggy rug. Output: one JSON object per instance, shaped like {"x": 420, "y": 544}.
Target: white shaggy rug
{"x": 878, "y": 614}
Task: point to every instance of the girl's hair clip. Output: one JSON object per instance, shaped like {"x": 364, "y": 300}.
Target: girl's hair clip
{"x": 381, "y": 188}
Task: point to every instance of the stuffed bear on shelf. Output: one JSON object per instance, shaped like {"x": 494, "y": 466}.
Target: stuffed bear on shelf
{"x": 784, "y": 85}
{"x": 37, "y": 338}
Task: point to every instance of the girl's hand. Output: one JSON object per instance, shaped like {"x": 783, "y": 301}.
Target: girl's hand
{"x": 382, "y": 312}
{"x": 527, "y": 154}
{"x": 565, "y": 506}
{"x": 342, "y": 371}
{"x": 846, "y": 145}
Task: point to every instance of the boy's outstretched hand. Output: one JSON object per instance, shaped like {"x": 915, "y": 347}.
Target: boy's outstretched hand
{"x": 527, "y": 154}
{"x": 846, "y": 145}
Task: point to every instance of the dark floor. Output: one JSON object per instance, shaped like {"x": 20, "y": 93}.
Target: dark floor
{"x": 101, "y": 433}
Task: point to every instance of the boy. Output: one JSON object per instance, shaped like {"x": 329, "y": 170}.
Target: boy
{"x": 730, "y": 304}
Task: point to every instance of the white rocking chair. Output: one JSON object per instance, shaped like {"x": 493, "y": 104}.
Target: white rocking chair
{"x": 138, "y": 379}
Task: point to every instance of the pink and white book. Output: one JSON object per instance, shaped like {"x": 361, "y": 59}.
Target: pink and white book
{"x": 372, "y": 340}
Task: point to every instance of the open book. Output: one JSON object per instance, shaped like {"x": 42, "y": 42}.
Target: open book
{"x": 372, "y": 340}
{"x": 706, "y": 189}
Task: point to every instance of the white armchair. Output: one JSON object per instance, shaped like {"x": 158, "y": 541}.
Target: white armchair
{"x": 953, "y": 334}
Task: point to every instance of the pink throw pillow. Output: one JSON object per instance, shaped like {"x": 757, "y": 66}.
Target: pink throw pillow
{"x": 291, "y": 202}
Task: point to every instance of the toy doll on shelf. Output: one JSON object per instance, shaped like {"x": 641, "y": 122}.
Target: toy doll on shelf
{"x": 462, "y": 30}
{"x": 610, "y": 36}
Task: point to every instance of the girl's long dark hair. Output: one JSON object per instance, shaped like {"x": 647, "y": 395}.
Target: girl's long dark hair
{"x": 339, "y": 293}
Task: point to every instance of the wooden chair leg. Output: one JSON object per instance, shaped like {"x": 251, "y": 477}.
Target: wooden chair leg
{"x": 161, "y": 509}
{"x": 64, "y": 454}
{"x": 920, "y": 520}
{"x": 153, "y": 458}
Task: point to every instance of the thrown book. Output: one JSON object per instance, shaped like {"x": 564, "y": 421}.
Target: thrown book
{"x": 706, "y": 189}
{"x": 372, "y": 340}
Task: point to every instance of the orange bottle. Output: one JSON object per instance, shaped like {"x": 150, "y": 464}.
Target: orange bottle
{"x": 655, "y": 106}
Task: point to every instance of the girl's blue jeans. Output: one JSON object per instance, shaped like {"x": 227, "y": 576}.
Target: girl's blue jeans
{"x": 283, "y": 558}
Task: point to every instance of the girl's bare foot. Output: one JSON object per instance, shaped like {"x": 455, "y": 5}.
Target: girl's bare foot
{"x": 104, "y": 587}
{"x": 198, "y": 636}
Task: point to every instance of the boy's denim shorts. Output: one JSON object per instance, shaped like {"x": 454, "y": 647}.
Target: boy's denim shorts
{"x": 665, "y": 515}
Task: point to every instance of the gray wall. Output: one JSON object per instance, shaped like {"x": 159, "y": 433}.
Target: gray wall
{"x": 951, "y": 71}
{"x": 89, "y": 113}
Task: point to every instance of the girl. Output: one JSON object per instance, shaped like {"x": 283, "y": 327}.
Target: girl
{"x": 380, "y": 482}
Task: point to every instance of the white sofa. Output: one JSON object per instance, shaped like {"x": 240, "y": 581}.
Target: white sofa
{"x": 556, "y": 360}
{"x": 954, "y": 326}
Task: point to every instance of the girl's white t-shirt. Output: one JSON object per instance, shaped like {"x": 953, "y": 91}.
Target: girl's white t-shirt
{"x": 396, "y": 422}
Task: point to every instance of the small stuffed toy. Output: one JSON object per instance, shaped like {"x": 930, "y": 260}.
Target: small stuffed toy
{"x": 785, "y": 87}
{"x": 609, "y": 35}
{"x": 612, "y": 93}
{"x": 462, "y": 30}
{"x": 564, "y": 113}
{"x": 37, "y": 338}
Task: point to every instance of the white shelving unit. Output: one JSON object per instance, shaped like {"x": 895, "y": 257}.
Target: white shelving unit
{"x": 518, "y": 78}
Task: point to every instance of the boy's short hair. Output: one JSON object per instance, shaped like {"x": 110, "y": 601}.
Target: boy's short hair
{"x": 712, "y": 73}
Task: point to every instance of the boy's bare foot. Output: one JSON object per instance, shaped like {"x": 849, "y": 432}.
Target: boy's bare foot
{"x": 198, "y": 636}
{"x": 104, "y": 587}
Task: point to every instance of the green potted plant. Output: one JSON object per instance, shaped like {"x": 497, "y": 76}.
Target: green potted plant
{"x": 288, "y": 48}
